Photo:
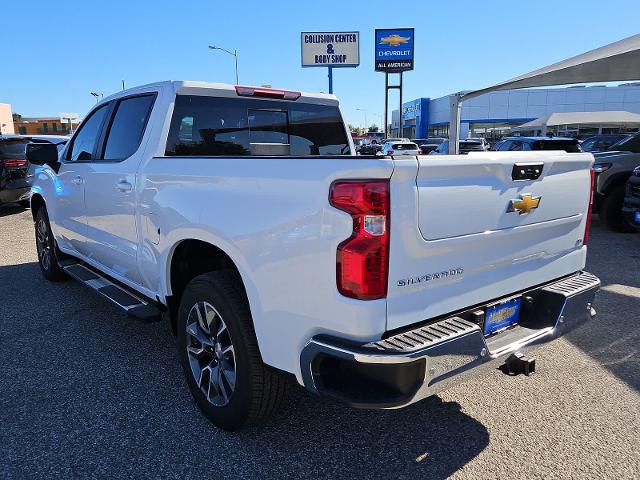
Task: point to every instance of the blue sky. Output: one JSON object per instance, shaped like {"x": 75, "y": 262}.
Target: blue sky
{"x": 55, "y": 53}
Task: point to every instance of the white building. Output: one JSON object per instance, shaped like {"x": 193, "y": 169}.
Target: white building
{"x": 495, "y": 114}
{"x": 6, "y": 119}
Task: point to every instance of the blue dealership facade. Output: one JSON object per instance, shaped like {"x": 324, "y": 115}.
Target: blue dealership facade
{"x": 497, "y": 114}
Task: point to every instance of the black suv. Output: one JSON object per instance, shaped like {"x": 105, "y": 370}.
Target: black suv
{"x": 15, "y": 185}
{"x": 516, "y": 144}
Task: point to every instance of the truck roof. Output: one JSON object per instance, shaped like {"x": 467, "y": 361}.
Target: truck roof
{"x": 192, "y": 87}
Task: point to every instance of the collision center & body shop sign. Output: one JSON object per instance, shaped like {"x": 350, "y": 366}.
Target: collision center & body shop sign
{"x": 330, "y": 49}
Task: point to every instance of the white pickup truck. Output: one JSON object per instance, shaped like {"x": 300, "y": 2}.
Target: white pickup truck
{"x": 242, "y": 215}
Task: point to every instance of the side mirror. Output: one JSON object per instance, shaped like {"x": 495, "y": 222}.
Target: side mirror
{"x": 42, "y": 154}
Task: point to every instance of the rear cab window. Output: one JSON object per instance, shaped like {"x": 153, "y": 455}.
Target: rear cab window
{"x": 404, "y": 146}
{"x": 569, "y": 146}
{"x": 221, "y": 126}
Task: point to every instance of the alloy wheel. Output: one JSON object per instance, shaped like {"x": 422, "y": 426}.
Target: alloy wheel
{"x": 211, "y": 354}
{"x": 43, "y": 244}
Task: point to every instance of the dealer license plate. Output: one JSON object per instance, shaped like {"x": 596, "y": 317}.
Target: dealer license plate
{"x": 502, "y": 315}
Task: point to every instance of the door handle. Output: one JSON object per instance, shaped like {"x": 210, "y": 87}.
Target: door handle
{"x": 77, "y": 180}
{"x": 124, "y": 186}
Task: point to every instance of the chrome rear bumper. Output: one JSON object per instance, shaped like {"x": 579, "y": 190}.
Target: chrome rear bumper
{"x": 409, "y": 366}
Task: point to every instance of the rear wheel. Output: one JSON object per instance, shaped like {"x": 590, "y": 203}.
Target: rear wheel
{"x": 611, "y": 211}
{"x": 48, "y": 253}
{"x": 219, "y": 353}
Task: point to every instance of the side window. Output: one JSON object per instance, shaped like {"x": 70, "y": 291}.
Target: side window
{"x": 85, "y": 140}
{"x": 516, "y": 146}
{"x": 127, "y": 127}
{"x": 506, "y": 145}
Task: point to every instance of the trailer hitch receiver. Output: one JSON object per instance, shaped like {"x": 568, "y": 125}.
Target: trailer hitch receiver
{"x": 517, "y": 363}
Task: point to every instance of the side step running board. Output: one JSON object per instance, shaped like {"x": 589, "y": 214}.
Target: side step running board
{"x": 135, "y": 305}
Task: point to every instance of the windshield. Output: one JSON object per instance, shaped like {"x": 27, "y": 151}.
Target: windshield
{"x": 631, "y": 144}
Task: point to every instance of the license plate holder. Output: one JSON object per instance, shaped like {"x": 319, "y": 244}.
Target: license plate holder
{"x": 502, "y": 315}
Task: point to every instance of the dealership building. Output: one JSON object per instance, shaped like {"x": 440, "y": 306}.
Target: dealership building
{"x": 500, "y": 113}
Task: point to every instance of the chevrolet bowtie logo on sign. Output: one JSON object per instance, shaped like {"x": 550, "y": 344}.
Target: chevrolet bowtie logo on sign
{"x": 394, "y": 40}
{"x": 524, "y": 204}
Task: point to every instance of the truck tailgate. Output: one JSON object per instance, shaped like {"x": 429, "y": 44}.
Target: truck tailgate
{"x": 464, "y": 232}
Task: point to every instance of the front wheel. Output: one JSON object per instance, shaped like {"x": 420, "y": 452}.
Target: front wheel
{"x": 219, "y": 354}
{"x": 48, "y": 252}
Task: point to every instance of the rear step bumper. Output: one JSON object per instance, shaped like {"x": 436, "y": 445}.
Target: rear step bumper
{"x": 409, "y": 366}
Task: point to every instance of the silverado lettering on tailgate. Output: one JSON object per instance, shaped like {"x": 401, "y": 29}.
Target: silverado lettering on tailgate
{"x": 430, "y": 276}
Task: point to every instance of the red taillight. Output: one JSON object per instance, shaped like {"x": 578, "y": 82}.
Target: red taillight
{"x": 586, "y": 228}
{"x": 266, "y": 92}
{"x": 15, "y": 163}
{"x": 362, "y": 263}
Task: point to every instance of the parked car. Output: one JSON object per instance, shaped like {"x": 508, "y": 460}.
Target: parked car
{"x": 395, "y": 139}
{"x": 600, "y": 143}
{"x": 612, "y": 169}
{"x": 370, "y": 148}
{"x": 430, "y": 145}
{"x": 631, "y": 204}
{"x": 399, "y": 147}
{"x": 419, "y": 141}
{"x": 483, "y": 141}
{"x": 241, "y": 215}
{"x": 516, "y": 144}
{"x": 14, "y": 169}
{"x": 464, "y": 147}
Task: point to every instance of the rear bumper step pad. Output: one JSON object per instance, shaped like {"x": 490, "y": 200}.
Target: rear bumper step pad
{"x": 408, "y": 366}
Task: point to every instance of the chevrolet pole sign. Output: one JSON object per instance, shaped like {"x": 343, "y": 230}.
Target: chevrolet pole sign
{"x": 394, "y": 50}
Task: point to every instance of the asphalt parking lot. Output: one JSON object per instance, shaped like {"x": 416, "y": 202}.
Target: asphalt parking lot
{"x": 86, "y": 392}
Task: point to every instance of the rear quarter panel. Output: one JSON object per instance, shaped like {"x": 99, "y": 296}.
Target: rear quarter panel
{"x": 272, "y": 217}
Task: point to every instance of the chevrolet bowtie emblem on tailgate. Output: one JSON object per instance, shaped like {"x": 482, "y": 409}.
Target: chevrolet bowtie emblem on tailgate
{"x": 524, "y": 204}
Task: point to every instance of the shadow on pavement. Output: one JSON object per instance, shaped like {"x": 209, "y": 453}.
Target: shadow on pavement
{"x": 613, "y": 337}
{"x": 10, "y": 209}
{"x": 86, "y": 392}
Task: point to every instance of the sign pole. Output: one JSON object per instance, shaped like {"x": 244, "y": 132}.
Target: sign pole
{"x": 400, "y": 132}
{"x": 330, "y": 80}
{"x": 386, "y": 104}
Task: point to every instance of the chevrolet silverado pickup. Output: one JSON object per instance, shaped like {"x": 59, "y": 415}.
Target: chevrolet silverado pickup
{"x": 243, "y": 216}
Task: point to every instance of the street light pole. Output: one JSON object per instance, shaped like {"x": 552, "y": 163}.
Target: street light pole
{"x": 365, "y": 116}
{"x": 97, "y": 94}
{"x": 365, "y": 111}
{"x": 234, "y": 53}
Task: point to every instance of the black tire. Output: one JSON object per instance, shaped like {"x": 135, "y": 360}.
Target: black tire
{"x": 257, "y": 392}
{"x": 48, "y": 253}
{"x": 611, "y": 211}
